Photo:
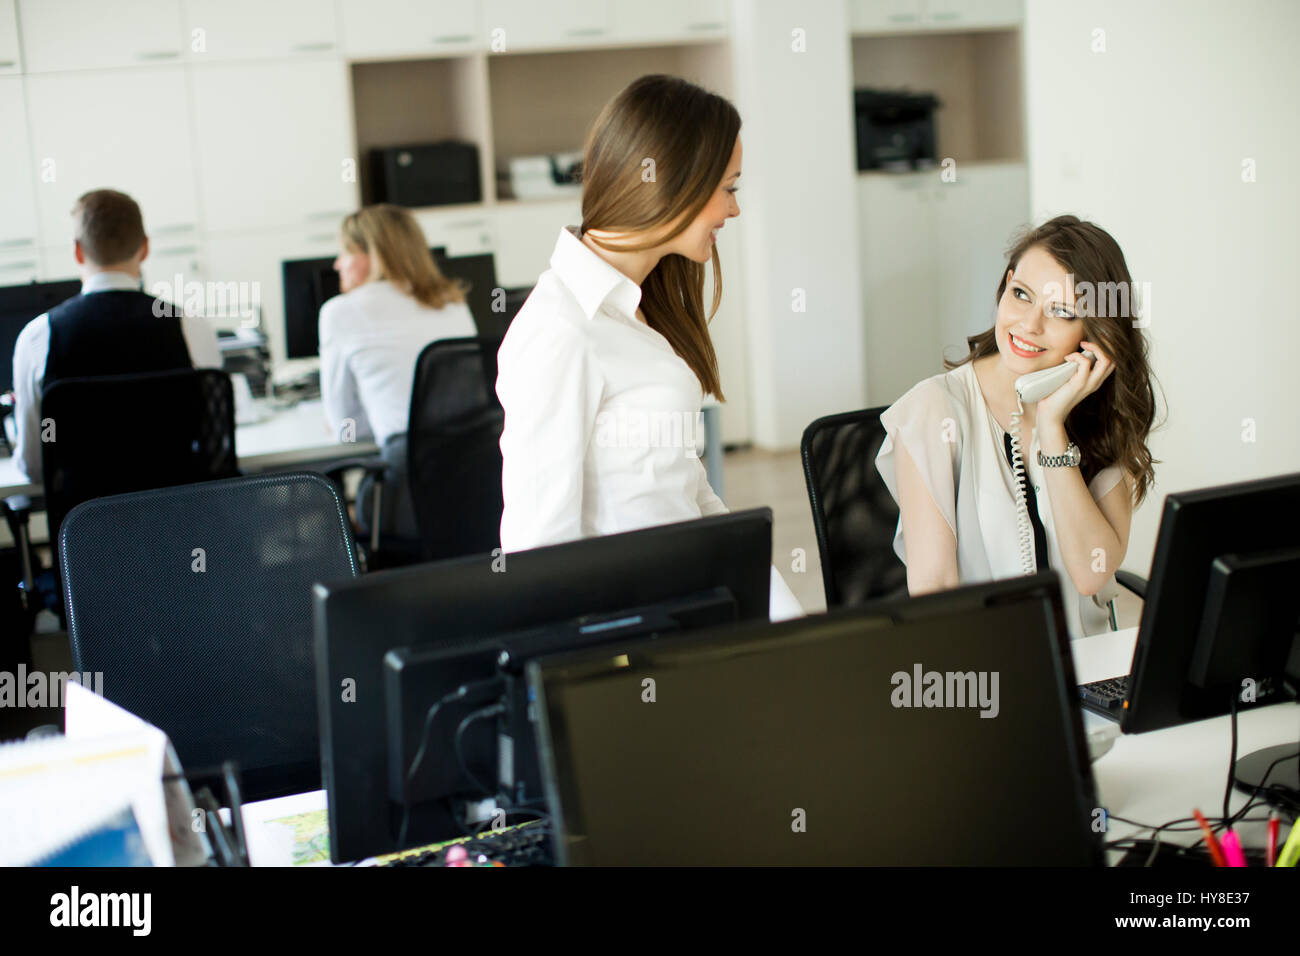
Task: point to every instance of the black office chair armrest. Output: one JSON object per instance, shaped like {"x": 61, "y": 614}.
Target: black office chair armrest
{"x": 371, "y": 465}
{"x": 1132, "y": 582}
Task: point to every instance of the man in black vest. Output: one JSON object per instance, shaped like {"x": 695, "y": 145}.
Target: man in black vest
{"x": 111, "y": 328}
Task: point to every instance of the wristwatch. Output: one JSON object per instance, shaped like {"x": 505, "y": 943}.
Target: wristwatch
{"x": 1070, "y": 459}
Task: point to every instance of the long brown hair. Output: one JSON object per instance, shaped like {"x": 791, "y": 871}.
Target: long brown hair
{"x": 656, "y": 152}
{"x": 1111, "y": 425}
{"x": 399, "y": 253}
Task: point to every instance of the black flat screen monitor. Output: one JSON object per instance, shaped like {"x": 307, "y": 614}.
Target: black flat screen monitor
{"x": 455, "y": 604}
{"x": 1207, "y": 536}
{"x": 940, "y": 730}
{"x": 310, "y": 283}
{"x": 19, "y": 304}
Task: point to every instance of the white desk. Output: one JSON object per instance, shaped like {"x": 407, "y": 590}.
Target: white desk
{"x": 1162, "y": 775}
{"x": 298, "y": 434}
{"x": 287, "y": 436}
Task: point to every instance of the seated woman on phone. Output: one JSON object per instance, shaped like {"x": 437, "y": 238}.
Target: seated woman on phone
{"x": 972, "y": 506}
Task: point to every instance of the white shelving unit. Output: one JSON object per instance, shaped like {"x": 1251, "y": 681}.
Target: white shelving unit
{"x": 243, "y": 128}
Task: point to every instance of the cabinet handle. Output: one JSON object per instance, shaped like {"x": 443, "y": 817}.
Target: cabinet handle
{"x": 454, "y": 38}
{"x": 902, "y": 18}
{"x": 319, "y": 47}
{"x": 466, "y": 224}
{"x": 8, "y": 64}
{"x": 318, "y": 216}
{"x": 151, "y": 55}
{"x": 173, "y": 229}
{"x": 708, "y": 25}
{"x": 177, "y": 251}
{"x": 586, "y": 32}
{"x": 16, "y": 243}
{"x": 14, "y": 266}
{"x": 322, "y": 237}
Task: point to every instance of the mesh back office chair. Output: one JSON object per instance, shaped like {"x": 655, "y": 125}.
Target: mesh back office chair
{"x": 453, "y": 448}
{"x": 121, "y": 433}
{"x": 855, "y": 516}
{"x": 195, "y": 603}
{"x": 853, "y": 512}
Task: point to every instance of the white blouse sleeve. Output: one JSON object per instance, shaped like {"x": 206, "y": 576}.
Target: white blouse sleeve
{"x": 551, "y": 389}
{"x": 338, "y": 387}
{"x": 925, "y": 423}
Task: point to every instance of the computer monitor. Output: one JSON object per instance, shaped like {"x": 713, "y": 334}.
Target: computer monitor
{"x": 1245, "y": 532}
{"x": 310, "y": 283}
{"x": 937, "y": 730}
{"x": 456, "y": 604}
{"x": 19, "y": 304}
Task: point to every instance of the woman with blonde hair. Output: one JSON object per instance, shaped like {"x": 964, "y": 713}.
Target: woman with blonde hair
{"x": 611, "y": 352}
{"x": 394, "y": 302}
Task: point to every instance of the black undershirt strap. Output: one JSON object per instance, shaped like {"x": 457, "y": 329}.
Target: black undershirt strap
{"x": 1031, "y": 502}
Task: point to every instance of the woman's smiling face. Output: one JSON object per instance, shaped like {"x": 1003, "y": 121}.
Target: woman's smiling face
{"x": 1037, "y": 325}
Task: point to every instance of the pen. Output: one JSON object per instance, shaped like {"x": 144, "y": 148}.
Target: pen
{"x": 1232, "y": 850}
{"x": 1291, "y": 852}
{"x": 1216, "y": 854}
{"x": 1270, "y": 851}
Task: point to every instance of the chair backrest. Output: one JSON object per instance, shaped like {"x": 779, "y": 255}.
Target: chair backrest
{"x": 122, "y": 433}
{"x": 453, "y": 448}
{"x": 195, "y": 603}
{"x": 853, "y": 512}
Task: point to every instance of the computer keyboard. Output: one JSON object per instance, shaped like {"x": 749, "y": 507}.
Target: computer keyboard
{"x": 526, "y": 845}
{"x": 1108, "y": 695}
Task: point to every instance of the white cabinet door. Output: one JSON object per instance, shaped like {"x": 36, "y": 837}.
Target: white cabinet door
{"x": 17, "y": 202}
{"x": 463, "y": 232}
{"x": 274, "y": 144}
{"x": 244, "y": 29}
{"x": 526, "y": 236}
{"x": 20, "y": 266}
{"x": 899, "y": 296}
{"x": 638, "y": 21}
{"x": 115, "y": 129}
{"x": 377, "y": 28}
{"x": 527, "y": 24}
{"x": 87, "y": 34}
{"x": 972, "y": 14}
{"x": 11, "y": 60}
{"x": 975, "y": 220}
{"x": 173, "y": 270}
{"x": 883, "y": 16}
{"x": 253, "y": 263}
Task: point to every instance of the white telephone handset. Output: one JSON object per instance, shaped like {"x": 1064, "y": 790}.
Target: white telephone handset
{"x": 1032, "y": 387}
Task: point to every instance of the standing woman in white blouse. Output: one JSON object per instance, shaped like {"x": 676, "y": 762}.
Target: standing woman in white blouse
{"x": 947, "y": 457}
{"x": 603, "y": 371}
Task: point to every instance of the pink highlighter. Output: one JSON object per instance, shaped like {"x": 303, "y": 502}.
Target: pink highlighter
{"x": 1232, "y": 849}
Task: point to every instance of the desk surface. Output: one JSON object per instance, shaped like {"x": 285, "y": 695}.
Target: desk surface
{"x": 1162, "y": 775}
{"x": 284, "y": 437}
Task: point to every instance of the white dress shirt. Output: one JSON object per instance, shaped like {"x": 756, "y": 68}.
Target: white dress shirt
{"x": 32, "y": 349}
{"x": 966, "y": 472}
{"x": 603, "y": 428}
{"x": 370, "y": 338}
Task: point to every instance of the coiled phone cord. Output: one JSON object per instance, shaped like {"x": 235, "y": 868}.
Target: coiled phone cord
{"x": 1023, "y": 526}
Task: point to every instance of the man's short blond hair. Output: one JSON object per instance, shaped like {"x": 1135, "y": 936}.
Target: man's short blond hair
{"x": 108, "y": 225}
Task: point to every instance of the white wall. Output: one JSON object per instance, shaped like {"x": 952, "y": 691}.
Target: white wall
{"x": 1148, "y": 139}
{"x": 797, "y": 197}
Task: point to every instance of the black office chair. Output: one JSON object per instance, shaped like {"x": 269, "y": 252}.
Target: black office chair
{"x": 114, "y": 434}
{"x": 195, "y": 603}
{"x": 853, "y": 512}
{"x": 856, "y": 517}
{"x": 453, "y": 448}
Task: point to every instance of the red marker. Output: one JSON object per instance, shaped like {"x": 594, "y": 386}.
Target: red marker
{"x": 1216, "y": 852}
